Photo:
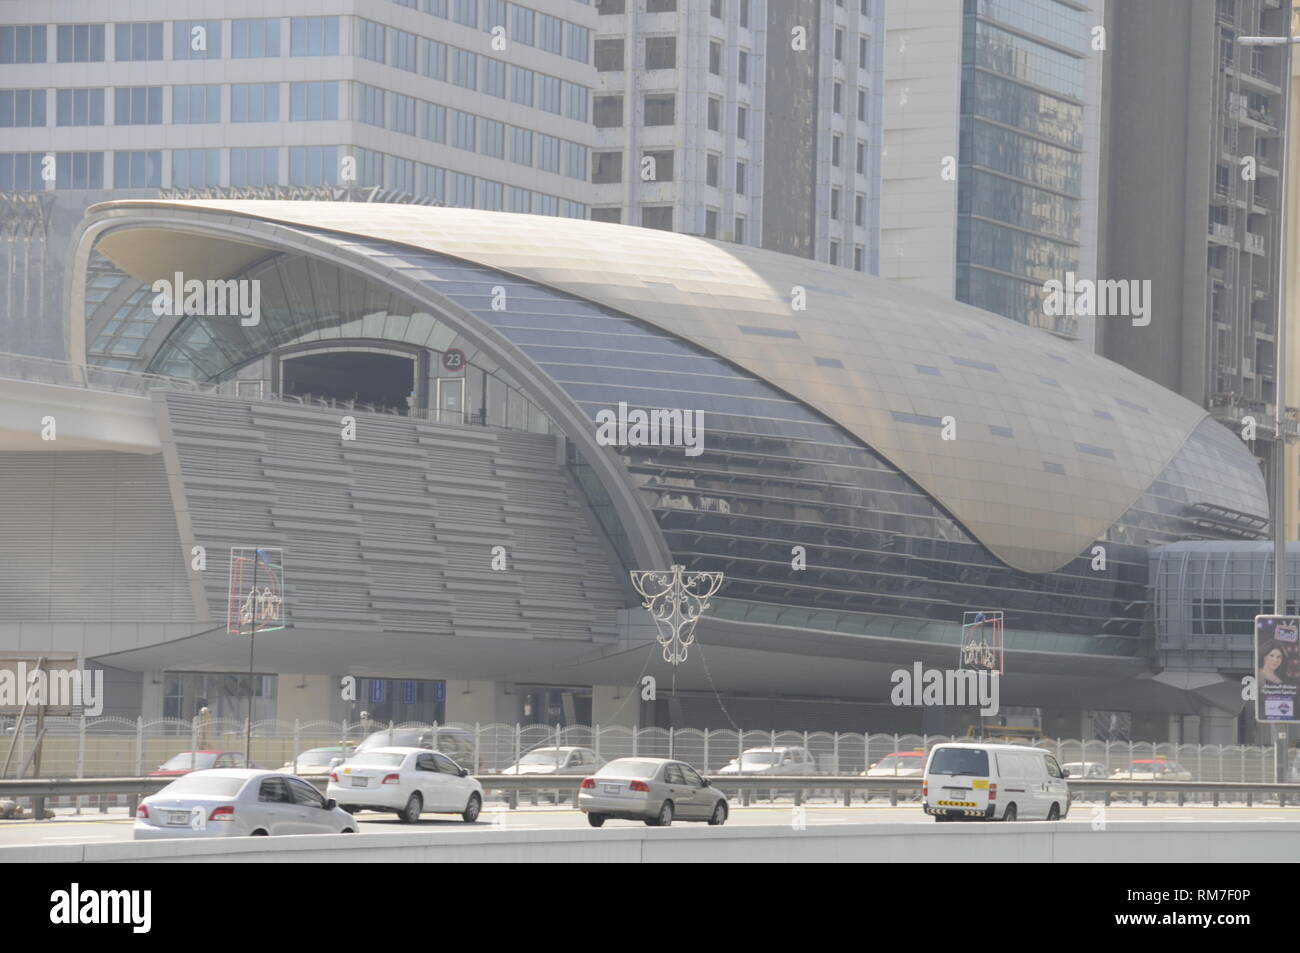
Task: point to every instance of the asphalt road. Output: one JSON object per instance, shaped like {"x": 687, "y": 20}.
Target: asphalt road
{"x": 115, "y": 826}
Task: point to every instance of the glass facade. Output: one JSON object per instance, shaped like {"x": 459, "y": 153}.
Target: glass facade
{"x": 1021, "y": 165}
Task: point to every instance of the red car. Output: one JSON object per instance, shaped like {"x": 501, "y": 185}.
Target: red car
{"x": 188, "y": 761}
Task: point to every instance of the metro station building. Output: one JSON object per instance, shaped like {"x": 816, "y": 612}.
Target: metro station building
{"x": 875, "y": 462}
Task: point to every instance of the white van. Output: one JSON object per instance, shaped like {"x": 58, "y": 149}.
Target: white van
{"x": 994, "y": 783}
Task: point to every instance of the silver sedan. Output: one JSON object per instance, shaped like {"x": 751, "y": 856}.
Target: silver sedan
{"x": 239, "y": 802}
{"x": 655, "y": 790}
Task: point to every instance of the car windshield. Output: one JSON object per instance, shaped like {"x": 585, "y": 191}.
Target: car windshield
{"x": 397, "y": 738}
{"x": 544, "y": 756}
{"x": 757, "y": 759}
{"x": 971, "y": 762}
{"x": 319, "y": 756}
{"x": 899, "y": 761}
{"x": 377, "y": 759}
{"x": 186, "y": 760}
{"x": 205, "y": 784}
{"x": 629, "y": 768}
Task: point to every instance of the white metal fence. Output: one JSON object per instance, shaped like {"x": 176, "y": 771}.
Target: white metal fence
{"x": 119, "y": 747}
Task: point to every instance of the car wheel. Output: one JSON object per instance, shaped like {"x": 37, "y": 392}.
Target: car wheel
{"x": 1010, "y": 815}
{"x": 719, "y": 815}
{"x": 411, "y": 813}
{"x": 1054, "y": 813}
{"x": 664, "y": 818}
{"x": 595, "y": 820}
{"x": 472, "y": 808}
{"x": 943, "y": 817}
{"x": 347, "y": 830}
{"x": 258, "y": 834}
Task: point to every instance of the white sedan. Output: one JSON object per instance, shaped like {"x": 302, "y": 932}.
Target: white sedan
{"x": 407, "y": 781}
{"x": 238, "y": 802}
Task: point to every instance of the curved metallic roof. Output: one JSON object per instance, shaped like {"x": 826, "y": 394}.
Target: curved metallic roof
{"x": 1052, "y": 444}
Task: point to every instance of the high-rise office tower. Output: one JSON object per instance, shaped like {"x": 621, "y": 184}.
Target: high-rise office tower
{"x": 992, "y": 150}
{"x": 747, "y": 120}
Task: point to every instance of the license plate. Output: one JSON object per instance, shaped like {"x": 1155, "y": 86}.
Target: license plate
{"x": 359, "y": 782}
{"x": 178, "y": 818}
{"x": 611, "y": 788}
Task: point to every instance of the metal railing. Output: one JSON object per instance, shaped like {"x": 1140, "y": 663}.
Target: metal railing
{"x": 44, "y": 370}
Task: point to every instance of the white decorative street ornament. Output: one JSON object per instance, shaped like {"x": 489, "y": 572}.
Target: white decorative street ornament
{"x": 676, "y": 600}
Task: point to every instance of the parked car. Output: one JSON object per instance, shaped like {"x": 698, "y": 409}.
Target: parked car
{"x": 238, "y": 803}
{"x": 317, "y": 762}
{"x": 1152, "y": 769}
{"x": 767, "y": 761}
{"x": 1085, "y": 771}
{"x": 187, "y": 761}
{"x": 407, "y": 781}
{"x": 900, "y": 764}
{"x": 655, "y": 790}
{"x": 553, "y": 760}
{"x": 994, "y": 783}
{"x": 455, "y": 743}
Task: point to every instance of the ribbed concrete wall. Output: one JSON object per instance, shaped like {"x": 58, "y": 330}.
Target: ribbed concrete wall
{"x": 392, "y": 531}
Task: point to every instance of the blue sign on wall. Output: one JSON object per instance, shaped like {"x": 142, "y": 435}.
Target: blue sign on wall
{"x": 408, "y": 692}
{"x": 377, "y": 691}
{"x": 440, "y": 691}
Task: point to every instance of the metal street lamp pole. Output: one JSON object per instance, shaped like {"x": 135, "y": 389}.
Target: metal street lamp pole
{"x": 1279, "y": 445}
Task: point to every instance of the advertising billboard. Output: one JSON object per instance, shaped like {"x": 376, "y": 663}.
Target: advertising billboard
{"x": 1277, "y": 668}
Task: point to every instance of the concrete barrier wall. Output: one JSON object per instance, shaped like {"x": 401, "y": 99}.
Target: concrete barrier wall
{"x": 1040, "y": 842}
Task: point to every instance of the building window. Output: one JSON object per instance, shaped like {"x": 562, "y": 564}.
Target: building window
{"x": 613, "y": 215}
{"x": 434, "y": 56}
{"x": 521, "y": 146}
{"x": 433, "y": 122}
{"x": 490, "y": 195}
{"x": 196, "y": 168}
{"x": 137, "y": 106}
{"x": 460, "y": 190}
{"x": 835, "y": 204}
{"x": 660, "y": 52}
{"x": 659, "y": 168}
{"x": 23, "y": 107}
{"x": 465, "y": 12}
{"x": 610, "y": 8}
{"x": 859, "y": 258}
{"x": 462, "y": 126}
{"x": 314, "y": 36}
{"x": 495, "y": 14}
{"x": 660, "y": 6}
{"x": 371, "y": 41}
{"x": 711, "y": 223}
{"x": 862, "y": 158}
{"x": 742, "y": 68}
{"x": 715, "y": 9}
{"x": 744, "y": 14}
{"x": 464, "y": 68}
{"x": 549, "y": 90}
{"x": 492, "y": 138}
{"x": 742, "y": 122}
{"x": 548, "y": 153}
{"x": 609, "y": 55}
{"x": 715, "y": 57}
{"x": 660, "y": 109}
{"x": 835, "y": 253}
{"x": 521, "y": 24}
{"x": 401, "y": 117}
{"x": 862, "y": 105}
{"x": 137, "y": 170}
{"x": 839, "y": 44}
{"x": 836, "y": 144}
{"x": 518, "y": 200}
{"x": 715, "y": 114}
{"x": 320, "y": 100}
{"x": 606, "y": 167}
{"x": 79, "y": 107}
{"x": 254, "y": 167}
{"x": 21, "y": 172}
{"x": 862, "y": 52}
{"x": 194, "y": 104}
{"x": 494, "y": 77}
{"x": 711, "y": 169}
{"x": 521, "y": 85}
{"x": 137, "y": 41}
{"x": 404, "y": 47}
{"x": 251, "y": 38}
{"x": 740, "y": 230}
{"x": 550, "y": 33}
{"x": 860, "y": 210}
{"x": 255, "y": 102}
{"x": 79, "y": 43}
{"x": 575, "y": 101}
{"x": 837, "y": 98}
{"x": 22, "y": 44}
{"x": 78, "y": 170}
{"x": 607, "y": 111}
{"x": 740, "y": 178}
{"x": 575, "y": 160}
{"x": 369, "y": 106}
{"x": 577, "y": 43}
{"x": 196, "y": 40}
{"x": 313, "y": 165}
{"x": 657, "y": 216}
